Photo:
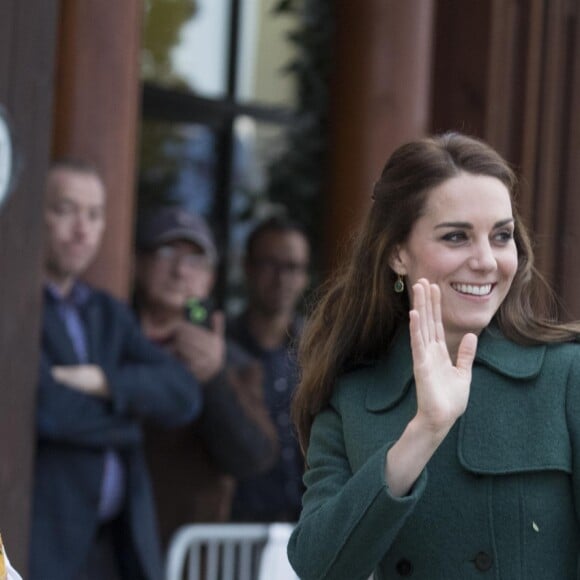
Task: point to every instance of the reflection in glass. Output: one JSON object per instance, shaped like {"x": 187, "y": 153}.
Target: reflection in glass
{"x": 185, "y": 45}
{"x": 264, "y": 54}
{"x": 177, "y": 166}
{"x": 256, "y": 144}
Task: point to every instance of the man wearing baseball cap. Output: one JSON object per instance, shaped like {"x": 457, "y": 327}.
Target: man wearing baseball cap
{"x": 194, "y": 468}
{"x": 170, "y": 224}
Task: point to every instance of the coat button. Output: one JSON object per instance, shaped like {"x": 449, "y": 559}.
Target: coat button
{"x": 483, "y": 561}
{"x": 404, "y": 567}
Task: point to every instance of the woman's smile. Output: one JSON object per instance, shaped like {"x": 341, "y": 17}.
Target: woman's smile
{"x": 471, "y": 289}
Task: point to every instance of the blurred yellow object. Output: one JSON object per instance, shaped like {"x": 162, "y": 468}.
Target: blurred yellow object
{"x": 3, "y": 574}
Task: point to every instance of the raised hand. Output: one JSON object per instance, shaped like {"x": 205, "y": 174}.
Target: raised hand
{"x": 442, "y": 387}
{"x": 203, "y": 350}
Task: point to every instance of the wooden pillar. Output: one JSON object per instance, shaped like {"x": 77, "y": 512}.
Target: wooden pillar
{"x": 27, "y": 47}
{"x": 460, "y": 66}
{"x": 569, "y": 272}
{"x": 96, "y": 116}
{"x": 380, "y": 98}
{"x": 531, "y": 117}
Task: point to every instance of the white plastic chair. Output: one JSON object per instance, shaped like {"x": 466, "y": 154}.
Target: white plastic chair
{"x": 227, "y": 552}
{"x": 274, "y": 564}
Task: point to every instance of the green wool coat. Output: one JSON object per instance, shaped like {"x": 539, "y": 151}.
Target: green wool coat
{"x": 499, "y": 499}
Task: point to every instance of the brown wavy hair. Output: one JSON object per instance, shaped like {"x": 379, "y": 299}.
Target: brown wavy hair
{"x": 358, "y": 312}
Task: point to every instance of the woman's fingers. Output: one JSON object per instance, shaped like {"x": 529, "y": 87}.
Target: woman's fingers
{"x": 437, "y": 319}
{"x": 429, "y": 310}
{"x": 466, "y": 352}
{"x": 417, "y": 343}
{"x": 427, "y": 304}
{"x": 419, "y": 300}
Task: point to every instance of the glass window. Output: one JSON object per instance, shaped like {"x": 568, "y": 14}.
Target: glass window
{"x": 177, "y": 166}
{"x": 265, "y": 53}
{"x": 207, "y": 146}
{"x": 185, "y": 45}
{"x": 255, "y": 145}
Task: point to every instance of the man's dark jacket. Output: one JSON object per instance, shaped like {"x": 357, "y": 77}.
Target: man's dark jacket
{"x": 74, "y": 431}
{"x": 194, "y": 468}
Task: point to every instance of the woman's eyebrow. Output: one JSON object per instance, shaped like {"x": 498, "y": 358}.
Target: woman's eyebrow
{"x": 454, "y": 225}
{"x": 467, "y": 225}
{"x": 504, "y": 222}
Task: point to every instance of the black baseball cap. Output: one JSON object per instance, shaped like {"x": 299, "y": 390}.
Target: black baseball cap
{"x": 170, "y": 224}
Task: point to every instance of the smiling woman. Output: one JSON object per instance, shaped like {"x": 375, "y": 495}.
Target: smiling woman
{"x": 441, "y": 423}
{"x": 464, "y": 243}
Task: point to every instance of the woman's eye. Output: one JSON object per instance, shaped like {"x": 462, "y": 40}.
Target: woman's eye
{"x": 455, "y": 237}
{"x": 504, "y": 236}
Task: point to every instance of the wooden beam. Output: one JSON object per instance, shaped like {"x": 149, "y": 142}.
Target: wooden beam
{"x": 569, "y": 271}
{"x": 97, "y": 113}
{"x": 461, "y": 66}
{"x": 27, "y": 51}
{"x": 380, "y": 93}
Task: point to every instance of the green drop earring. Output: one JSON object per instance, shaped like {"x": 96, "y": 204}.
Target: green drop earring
{"x": 399, "y": 284}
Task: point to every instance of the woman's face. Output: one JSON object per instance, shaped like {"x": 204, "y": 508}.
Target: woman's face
{"x": 464, "y": 242}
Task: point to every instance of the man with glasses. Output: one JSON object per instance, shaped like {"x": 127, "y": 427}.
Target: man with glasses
{"x": 194, "y": 467}
{"x": 276, "y": 269}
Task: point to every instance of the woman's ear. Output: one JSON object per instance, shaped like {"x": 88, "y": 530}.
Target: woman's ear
{"x": 397, "y": 262}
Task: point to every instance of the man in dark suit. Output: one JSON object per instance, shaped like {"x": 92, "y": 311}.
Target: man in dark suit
{"x": 93, "y": 515}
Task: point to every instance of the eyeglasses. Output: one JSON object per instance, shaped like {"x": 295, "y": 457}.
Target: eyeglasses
{"x": 272, "y": 266}
{"x": 190, "y": 260}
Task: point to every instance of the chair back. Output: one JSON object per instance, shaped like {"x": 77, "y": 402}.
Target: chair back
{"x": 216, "y": 552}
{"x": 274, "y": 564}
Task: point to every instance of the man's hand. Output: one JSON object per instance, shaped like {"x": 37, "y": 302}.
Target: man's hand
{"x": 89, "y": 379}
{"x": 202, "y": 350}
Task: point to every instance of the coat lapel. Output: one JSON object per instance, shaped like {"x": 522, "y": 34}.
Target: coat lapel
{"x": 55, "y": 339}
{"x": 390, "y": 379}
{"x": 505, "y": 428}
{"x": 515, "y": 420}
{"x": 508, "y": 358}
{"x": 93, "y": 320}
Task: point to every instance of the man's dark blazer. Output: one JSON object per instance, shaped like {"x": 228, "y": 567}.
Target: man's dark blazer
{"x": 74, "y": 430}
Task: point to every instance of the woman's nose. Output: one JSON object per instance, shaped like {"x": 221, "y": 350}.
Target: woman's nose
{"x": 483, "y": 257}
